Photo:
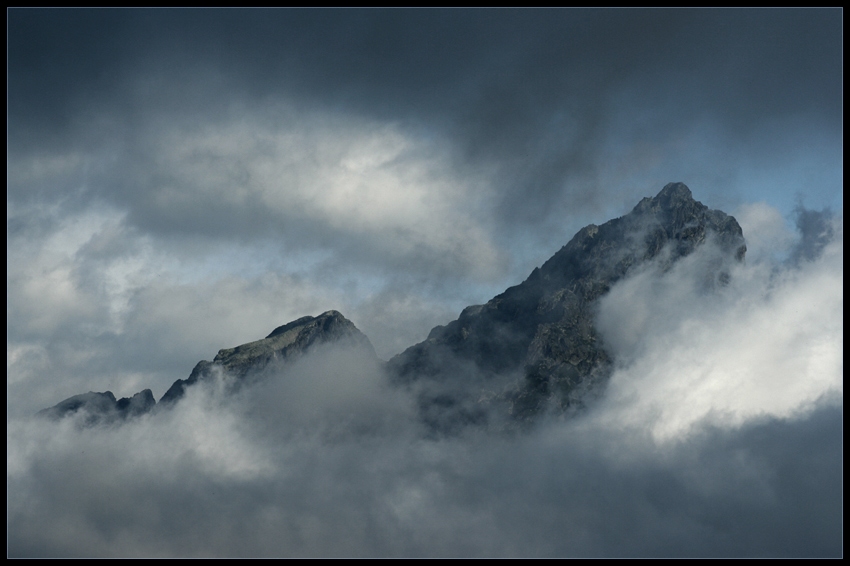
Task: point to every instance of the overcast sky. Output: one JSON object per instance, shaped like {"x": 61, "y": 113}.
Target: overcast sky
{"x": 181, "y": 181}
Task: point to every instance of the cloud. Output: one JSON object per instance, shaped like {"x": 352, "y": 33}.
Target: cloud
{"x": 94, "y": 304}
{"x": 201, "y": 485}
{"x": 768, "y": 344}
{"x": 719, "y": 435}
{"x": 182, "y": 181}
{"x": 543, "y": 105}
{"x": 320, "y": 181}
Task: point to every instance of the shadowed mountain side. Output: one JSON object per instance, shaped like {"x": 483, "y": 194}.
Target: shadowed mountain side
{"x": 536, "y": 342}
{"x": 284, "y": 344}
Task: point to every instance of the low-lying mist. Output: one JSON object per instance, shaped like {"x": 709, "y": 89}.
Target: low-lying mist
{"x": 719, "y": 434}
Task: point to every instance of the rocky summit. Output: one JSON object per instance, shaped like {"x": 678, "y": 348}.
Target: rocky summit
{"x": 529, "y": 350}
{"x": 534, "y": 347}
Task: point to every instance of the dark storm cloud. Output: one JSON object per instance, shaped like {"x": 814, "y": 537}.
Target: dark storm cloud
{"x": 534, "y": 97}
{"x": 186, "y": 180}
{"x": 503, "y": 64}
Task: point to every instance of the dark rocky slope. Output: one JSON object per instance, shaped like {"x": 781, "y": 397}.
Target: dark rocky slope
{"x": 530, "y": 349}
{"x": 535, "y": 346}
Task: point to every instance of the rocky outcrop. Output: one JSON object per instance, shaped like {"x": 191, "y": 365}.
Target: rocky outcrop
{"x": 284, "y": 344}
{"x": 97, "y": 408}
{"x": 530, "y": 349}
{"x": 541, "y": 332}
{"x": 240, "y": 364}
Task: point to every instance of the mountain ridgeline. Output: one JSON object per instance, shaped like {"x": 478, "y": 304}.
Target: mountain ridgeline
{"x": 285, "y": 344}
{"x": 540, "y": 334}
{"x": 530, "y": 350}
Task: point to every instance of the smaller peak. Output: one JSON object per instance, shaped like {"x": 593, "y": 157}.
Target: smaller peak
{"x": 304, "y": 320}
{"x": 138, "y": 404}
{"x": 331, "y": 314}
{"x": 107, "y": 394}
{"x": 144, "y": 394}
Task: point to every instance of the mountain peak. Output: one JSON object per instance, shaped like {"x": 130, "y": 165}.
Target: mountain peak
{"x": 675, "y": 191}
{"x": 530, "y": 349}
{"x": 542, "y": 331}
{"x": 283, "y": 344}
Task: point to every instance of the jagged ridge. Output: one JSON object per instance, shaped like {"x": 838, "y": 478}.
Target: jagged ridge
{"x": 102, "y": 407}
{"x": 283, "y": 344}
{"x": 540, "y": 332}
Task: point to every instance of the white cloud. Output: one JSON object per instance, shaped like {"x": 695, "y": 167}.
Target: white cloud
{"x": 768, "y": 345}
{"x": 356, "y": 179}
{"x": 768, "y": 236}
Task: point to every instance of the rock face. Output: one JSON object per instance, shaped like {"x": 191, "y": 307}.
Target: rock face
{"x": 541, "y": 332}
{"x": 102, "y": 407}
{"x": 284, "y": 344}
{"x": 530, "y": 349}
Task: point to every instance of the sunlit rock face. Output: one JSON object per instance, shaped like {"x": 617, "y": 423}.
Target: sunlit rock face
{"x": 534, "y": 347}
{"x": 285, "y": 344}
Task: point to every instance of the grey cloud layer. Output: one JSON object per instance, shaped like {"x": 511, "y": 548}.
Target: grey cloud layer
{"x": 326, "y": 460}
{"x": 181, "y": 181}
{"x": 545, "y": 100}
{"x": 769, "y": 489}
{"x": 447, "y": 151}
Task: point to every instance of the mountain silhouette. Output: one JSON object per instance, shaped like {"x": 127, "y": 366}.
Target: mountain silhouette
{"x": 531, "y": 349}
{"x": 534, "y": 346}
